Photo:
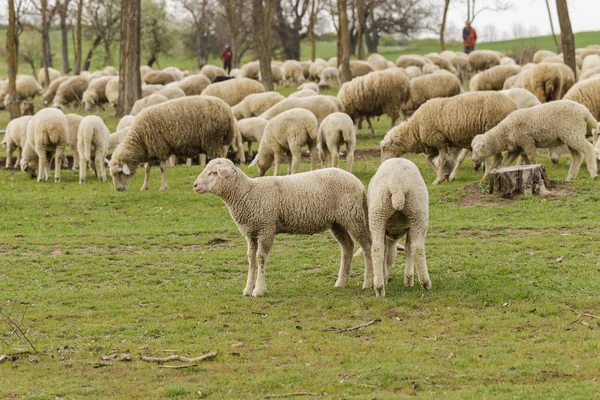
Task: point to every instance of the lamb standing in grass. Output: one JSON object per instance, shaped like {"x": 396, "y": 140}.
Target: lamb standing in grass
{"x": 399, "y": 206}
{"x": 546, "y": 125}
{"x": 15, "y": 137}
{"x": 183, "y": 127}
{"x": 73, "y": 121}
{"x": 305, "y": 203}
{"x": 320, "y": 106}
{"x": 336, "y": 130}
{"x": 92, "y": 144}
{"x": 288, "y": 131}
{"x": 252, "y": 130}
{"x": 255, "y": 104}
{"x": 70, "y": 90}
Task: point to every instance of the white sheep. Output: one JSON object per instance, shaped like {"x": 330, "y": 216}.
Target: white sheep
{"x": 125, "y": 121}
{"x": 233, "y": 91}
{"x": 95, "y": 94}
{"x": 329, "y": 77}
{"x": 146, "y": 102}
{"x": 303, "y": 93}
{"x": 73, "y": 121}
{"x": 15, "y": 137}
{"x": 287, "y": 132}
{"x": 252, "y": 130}
{"x": 398, "y": 207}
{"x": 306, "y": 203}
{"x": 255, "y": 104}
{"x": 70, "y": 90}
{"x": 320, "y": 106}
{"x": 309, "y": 85}
{"x": 112, "y": 91}
{"x": 335, "y": 131}
{"x": 92, "y": 144}
{"x": 118, "y": 137}
{"x": 546, "y": 125}
{"x": 52, "y": 74}
{"x": 171, "y": 92}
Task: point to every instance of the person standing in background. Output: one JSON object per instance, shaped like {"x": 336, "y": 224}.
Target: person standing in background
{"x": 469, "y": 38}
{"x": 226, "y": 56}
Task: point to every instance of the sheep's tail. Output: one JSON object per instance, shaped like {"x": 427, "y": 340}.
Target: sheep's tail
{"x": 348, "y": 136}
{"x": 53, "y": 130}
{"x": 87, "y": 144}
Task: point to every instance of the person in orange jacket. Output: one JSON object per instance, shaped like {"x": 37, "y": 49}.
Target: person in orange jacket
{"x": 226, "y": 56}
{"x": 469, "y": 38}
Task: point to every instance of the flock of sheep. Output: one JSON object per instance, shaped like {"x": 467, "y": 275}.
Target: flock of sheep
{"x": 510, "y": 112}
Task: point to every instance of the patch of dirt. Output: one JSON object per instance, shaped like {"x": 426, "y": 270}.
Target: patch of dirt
{"x": 367, "y": 153}
{"x": 216, "y": 241}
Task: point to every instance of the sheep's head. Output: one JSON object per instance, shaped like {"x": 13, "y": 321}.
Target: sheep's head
{"x": 29, "y": 166}
{"x": 479, "y": 149}
{"x": 216, "y": 173}
{"x": 263, "y": 162}
{"x": 121, "y": 174}
{"x": 394, "y": 144}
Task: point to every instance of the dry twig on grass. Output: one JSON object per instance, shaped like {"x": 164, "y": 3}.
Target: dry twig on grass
{"x": 296, "y": 394}
{"x": 177, "y": 357}
{"x": 353, "y": 328}
{"x": 3, "y": 358}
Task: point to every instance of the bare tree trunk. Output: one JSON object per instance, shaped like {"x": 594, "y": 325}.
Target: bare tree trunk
{"x": 566, "y": 35}
{"x": 552, "y": 27}
{"x": 362, "y": 24}
{"x": 63, "y": 9}
{"x": 78, "y": 47}
{"x": 12, "y": 49}
{"x": 311, "y": 30}
{"x": 262, "y": 18}
{"x": 45, "y": 41}
{"x": 130, "y": 83}
{"x": 344, "y": 40}
{"x": 443, "y": 27}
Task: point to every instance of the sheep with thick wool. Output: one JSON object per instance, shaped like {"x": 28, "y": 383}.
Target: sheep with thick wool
{"x": 287, "y": 132}
{"x": 250, "y": 70}
{"x": 303, "y": 93}
{"x": 590, "y": 62}
{"x": 92, "y": 145}
{"x": 539, "y": 55}
{"x": 447, "y": 122}
{"x": 329, "y": 77}
{"x": 50, "y": 92}
{"x": 146, "y": 102}
{"x": 52, "y": 74}
{"x": 441, "y": 62}
{"x": 171, "y": 92}
{"x": 480, "y": 60}
{"x": 176, "y": 72}
{"x": 95, "y": 94}
{"x": 306, "y": 203}
{"x": 377, "y": 61}
{"x": 183, "y": 127}
{"x": 309, "y": 85}
{"x": 428, "y": 87}
{"x": 254, "y": 105}
{"x": 27, "y": 88}
{"x": 233, "y": 91}
{"x": 357, "y": 68}
{"x": 334, "y": 132}
{"x": 412, "y": 60}
{"x": 155, "y": 77}
{"x": 14, "y": 139}
{"x": 546, "y": 125}
{"x": 73, "y": 121}
{"x": 320, "y": 106}
{"x": 522, "y": 98}
{"x": 112, "y": 91}
{"x": 252, "y": 130}
{"x": 46, "y": 133}
{"x": 117, "y": 137}
{"x": 316, "y": 68}
{"x": 193, "y": 85}
{"x": 292, "y": 72}
{"x": 399, "y": 207}
{"x": 493, "y": 78}
{"x": 70, "y": 91}
{"x": 212, "y": 71}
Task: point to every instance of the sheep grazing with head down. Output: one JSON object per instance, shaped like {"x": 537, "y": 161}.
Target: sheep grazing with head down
{"x": 183, "y": 127}
{"x": 546, "y": 125}
{"x": 398, "y": 207}
{"x": 493, "y": 78}
{"x": 69, "y": 91}
{"x": 292, "y": 72}
{"x": 357, "y": 68}
{"x": 429, "y": 87}
{"x": 27, "y": 88}
{"x": 73, "y": 121}
{"x": 46, "y": 134}
{"x": 303, "y": 93}
{"x": 287, "y": 132}
{"x": 193, "y": 85}
{"x": 92, "y": 145}
{"x": 329, "y": 77}
{"x": 95, "y": 94}
{"x": 335, "y": 131}
{"x": 155, "y": 77}
{"x": 233, "y": 91}
{"x": 306, "y": 203}
{"x": 255, "y": 104}
{"x": 15, "y": 137}
{"x": 52, "y": 74}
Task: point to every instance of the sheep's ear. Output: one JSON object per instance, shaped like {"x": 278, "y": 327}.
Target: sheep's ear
{"x": 224, "y": 172}
{"x": 126, "y": 169}
{"x": 478, "y": 146}
{"x": 254, "y": 162}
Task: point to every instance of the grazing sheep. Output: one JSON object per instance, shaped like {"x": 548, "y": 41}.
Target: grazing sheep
{"x": 287, "y": 132}
{"x": 546, "y": 125}
{"x": 125, "y": 121}
{"x": 413, "y": 71}
{"x": 587, "y": 93}
{"x": 509, "y": 83}
{"x": 254, "y": 105}
{"x": 306, "y": 203}
{"x": 493, "y": 78}
{"x": 144, "y": 69}
{"x": 92, "y": 144}
{"x": 309, "y": 85}
{"x": 378, "y": 62}
{"x": 112, "y": 91}
{"x": 193, "y": 85}
{"x": 480, "y": 60}
{"x": 507, "y": 61}
{"x": 292, "y": 72}
{"x": 303, "y": 93}
{"x": 276, "y": 75}
{"x": 590, "y": 62}
{"x": 118, "y": 137}
{"x": 233, "y": 91}
{"x": 357, "y": 68}
{"x": 412, "y": 60}
{"x": 430, "y": 69}
{"x": 590, "y": 73}
{"x": 428, "y": 87}
{"x": 14, "y": 139}
{"x": 250, "y": 70}
{"x": 27, "y": 88}
{"x": 316, "y": 68}
{"x": 235, "y": 72}
{"x": 52, "y": 73}
{"x": 110, "y": 70}
{"x": 73, "y": 121}
{"x": 398, "y": 206}
{"x": 544, "y": 80}
{"x": 539, "y": 55}
{"x": 320, "y": 106}
{"x": 329, "y": 77}
{"x": 46, "y": 134}
{"x": 50, "y": 92}
{"x": 146, "y": 102}
{"x": 441, "y": 62}
{"x": 446, "y": 122}
{"x": 252, "y": 130}
{"x": 332, "y": 62}
{"x": 171, "y": 92}
{"x": 148, "y": 90}
{"x": 70, "y": 90}
{"x": 380, "y": 92}
{"x": 335, "y": 131}
{"x": 158, "y": 78}
{"x": 95, "y": 94}
{"x": 559, "y": 59}
{"x": 522, "y": 98}
{"x": 212, "y": 71}
{"x": 176, "y": 72}
{"x": 183, "y": 127}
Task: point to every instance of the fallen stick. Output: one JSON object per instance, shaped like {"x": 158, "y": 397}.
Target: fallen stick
{"x": 176, "y": 357}
{"x": 274, "y": 396}
{"x": 591, "y": 315}
{"x": 178, "y": 366}
{"x": 353, "y": 328}
{"x": 3, "y": 358}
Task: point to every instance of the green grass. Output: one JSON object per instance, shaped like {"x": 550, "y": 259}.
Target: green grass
{"x": 99, "y": 272}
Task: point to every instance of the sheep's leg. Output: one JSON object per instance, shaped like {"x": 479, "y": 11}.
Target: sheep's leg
{"x": 417, "y": 252}
{"x": 459, "y": 160}
{"x": 576, "y": 160}
{"x": 75, "y": 159}
{"x": 359, "y": 230}
{"x": 371, "y": 127}
{"x": 390, "y": 256}
{"x": 347, "y": 245}
{"x": 409, "y": 268}
{"x": 587, "y": 150}
{"x": 100, "y": 170}
{"x": 440, "y": 167}
{"x": 276, "y": 160}
{"x": 529, "y": 154}
{"x": 429, "y": 158}
{"x": 249, "y": 150}
{"x": 312, "y": 147}
{"x": 9, "y": 151}
{"x": 146, "y": 184}
{"x": 251, "y": 253}
{"x": 264, "y": 247}
{"x": 511, "y": 157}
{"x": 378, "y": 256}
{"x": 349, "y": 156}
{"x": 490, "y": 166}
{"x": 19, "y": 155}
{"x": 335, "y": 155}
{"x": 326, "y": 155}
{"x": 42, "y": 166}
{"x": 203, "y": 160}
{"x": 58, "y": 163}
{"x": 82, "y": 170}
{"x": 163, "y": 175}
{"x": 295, "y": 161}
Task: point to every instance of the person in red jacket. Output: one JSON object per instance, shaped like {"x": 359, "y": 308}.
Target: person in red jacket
{"x": 226, "y": 56}
{"x": 469, "y": 38}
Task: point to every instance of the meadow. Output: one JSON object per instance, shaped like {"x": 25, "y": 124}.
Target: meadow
{"x": 96, "y": 279}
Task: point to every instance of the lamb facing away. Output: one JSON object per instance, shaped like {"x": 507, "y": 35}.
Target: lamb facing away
{"x": 73, "y": 121}
{"x": 335, "y": 131}
{"x": 255, "y": 104}
{"x": 546, "y": 125}
{"x": 306, "y": 203}
{"x": 447, "y": 122}
{"x": 46, "y": 134}
{"x": 399, "y": 206}
{"x": 15, "y": 137}
{"x": 320, "y": 106}
{"x": 92, "y": 144}
{"x": 183, "y": 127}
{"x": 287, "y": 132}
{"x": 233, "y": 91}
{"x": 252, "y": 130}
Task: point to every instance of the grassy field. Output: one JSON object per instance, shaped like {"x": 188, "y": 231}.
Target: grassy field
{"x": 90, "y": 273}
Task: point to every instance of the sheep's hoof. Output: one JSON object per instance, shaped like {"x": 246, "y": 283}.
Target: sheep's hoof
{"x": 436, "y": 182}
{"x": 248, "y": 291}
{"x": 340, "y": 283}
{"x": 595, "y": 177}
{"x": 367, "y": 284}
{"x": 258, "y": 292}
{"x": 81, "y": 182}
{"x": 163, "y": 188}
{"x": 143, "y": 188}
{"x": 380, "y": 291}
{"x": 426, "y": 285}
{"x": 409, "y": 281}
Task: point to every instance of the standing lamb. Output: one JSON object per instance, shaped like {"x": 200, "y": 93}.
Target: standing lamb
{"x": 320, "y": 106}
{"x": 255, "y": 104}
{"x": 305, "y": 203}
{"x": 46, "y": 134}
{"x": 233, "y": 91}
{"x": 336, "y": 130}
{"x": 399, "y": 206}
{"x": 73, "y": 121}
{"x": 92, "y": 144}
{"x": 183, "y": 127}
{"x": 252, "y": 130}
{"x": 15, "y": 137}
{"x": 546, "y": 125}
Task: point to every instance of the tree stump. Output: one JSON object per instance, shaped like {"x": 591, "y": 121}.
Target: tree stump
{"x": 522, "y": 179}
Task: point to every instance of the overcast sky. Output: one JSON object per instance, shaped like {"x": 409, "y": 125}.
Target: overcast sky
{"x": 525, "y": 18}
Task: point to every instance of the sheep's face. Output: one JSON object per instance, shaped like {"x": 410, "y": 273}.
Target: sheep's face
{"x": 29, "y": 166}
{"x": 121, "y": 174}
{"x": 216, "y": 173}
{"x": 479, "y": 150}
{"x": 393, "y": 144}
